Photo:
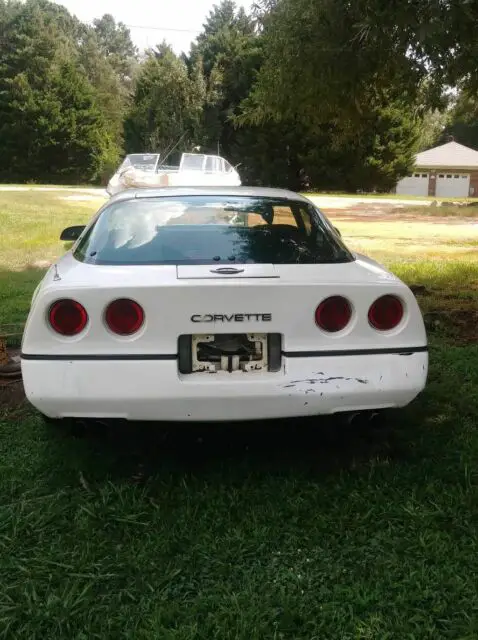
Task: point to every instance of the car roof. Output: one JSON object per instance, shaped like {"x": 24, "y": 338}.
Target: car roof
{"x": 164, "y": 192}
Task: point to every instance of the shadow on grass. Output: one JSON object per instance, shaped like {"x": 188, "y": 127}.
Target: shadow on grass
{"x": 136, "y": 451}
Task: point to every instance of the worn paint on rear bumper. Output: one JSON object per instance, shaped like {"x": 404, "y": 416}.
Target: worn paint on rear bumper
{"x": 154, "y": 390}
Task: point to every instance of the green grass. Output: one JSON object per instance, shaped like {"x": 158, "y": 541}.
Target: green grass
{"x": 299, "y": 530}
{"x": 16, "y": 290}
{"x": 32, "y": 223}
{"x": 286, "y": 531}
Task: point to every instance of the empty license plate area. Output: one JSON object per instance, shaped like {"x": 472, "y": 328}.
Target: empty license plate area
{"x": 230, "y": 352}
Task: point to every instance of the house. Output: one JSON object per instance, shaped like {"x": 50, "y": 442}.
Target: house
{"x": 447, "y": 171}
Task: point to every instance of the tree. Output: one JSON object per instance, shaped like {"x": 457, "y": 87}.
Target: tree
{"x": 269, "y": 154}
{"x": 369, "y": 158}
{"x": 110, "y": 93}
{"x": 50, "y": 124}
{"x": 329, "y": 91}
{"x": 323, "y": 58}
{"x": 166, "y": 105}
{"x": 114, "y": 41}
{"x": 230, "y": 52}
{"x": 462, "y": 124}
{"x": 80, "y": 145}
{"x": 432, "y": 128}
{"x": 224, "y": 23}
{"x": 109, "y": 58}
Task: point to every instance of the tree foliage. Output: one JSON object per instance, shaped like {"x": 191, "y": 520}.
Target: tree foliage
{"x": 432, "y": 128}
{"x": 328, "y": 93}
{"x": 50, "y": 123}
{"x": 370, "y": 157}
{"x": 365, "y": 80}
{"x": 230, "y": 55}
{"x": 62, "y": 103}
{"x": 462, "y": 121}
{"x": 324, "y": 58}
{"x": 114, "y": 41}
{"x": 167, "y": 103}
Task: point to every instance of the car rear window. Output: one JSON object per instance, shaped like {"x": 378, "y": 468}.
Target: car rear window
{"x": 210, "y": 230}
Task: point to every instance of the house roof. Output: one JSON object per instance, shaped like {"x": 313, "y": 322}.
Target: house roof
{"x": 451, "y": 155}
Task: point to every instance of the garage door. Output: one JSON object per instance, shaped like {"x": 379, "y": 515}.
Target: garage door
{"x": 453, "y": 185}
{"x": 413, "y": 185}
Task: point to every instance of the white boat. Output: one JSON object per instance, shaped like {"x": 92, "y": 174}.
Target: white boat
{"x": 194, "y": 170}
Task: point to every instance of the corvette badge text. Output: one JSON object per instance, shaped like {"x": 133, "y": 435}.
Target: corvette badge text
{"x": 233, "y": 317}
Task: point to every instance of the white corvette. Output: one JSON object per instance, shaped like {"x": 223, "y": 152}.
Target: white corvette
{"x": 217, "y": 304}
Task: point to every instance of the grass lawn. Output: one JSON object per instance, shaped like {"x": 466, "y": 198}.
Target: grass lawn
{"x": 447, "y": 246}
{"x": 290, "y": 530}
{"x": 31, "y": 225}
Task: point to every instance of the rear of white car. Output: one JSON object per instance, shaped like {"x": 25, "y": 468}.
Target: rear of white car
{"x": 174, "y": 308}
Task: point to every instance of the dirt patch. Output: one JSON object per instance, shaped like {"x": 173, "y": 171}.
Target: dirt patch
{"x": 12, "y": 393}
{"x": 392, "y": 213}
{"x": 364, "y": 216}
{"x": 12, "y": 398}
{"x": 461, "y": 327}
{"x": 451, "y": 315}
{"x": 456, "y": 320}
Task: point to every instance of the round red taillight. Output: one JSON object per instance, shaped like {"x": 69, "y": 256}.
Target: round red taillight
{"x": 124, "y": 317}
{"x": 333, "y": 314}
{"x": 67, "y": 317}
{"x": 386, "y": 313}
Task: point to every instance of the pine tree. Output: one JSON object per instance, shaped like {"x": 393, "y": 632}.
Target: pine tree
{"x": 167, "y": 103}
{"x": 51, "y": 128}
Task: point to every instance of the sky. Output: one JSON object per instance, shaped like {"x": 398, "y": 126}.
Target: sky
{"x": 152, "y": 21}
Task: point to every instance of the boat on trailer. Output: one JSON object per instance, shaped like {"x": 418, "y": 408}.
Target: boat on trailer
{"x": 143, "y": 170}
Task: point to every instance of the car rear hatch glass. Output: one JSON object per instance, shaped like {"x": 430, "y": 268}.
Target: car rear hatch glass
{"x": 212, "y": 230}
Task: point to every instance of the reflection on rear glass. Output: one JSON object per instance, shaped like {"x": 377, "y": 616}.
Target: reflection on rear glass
{"x": 205, "y": 229}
